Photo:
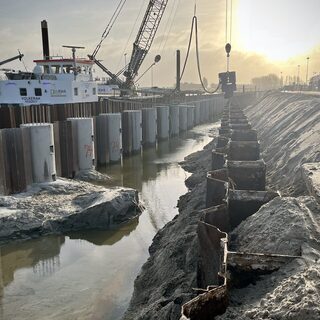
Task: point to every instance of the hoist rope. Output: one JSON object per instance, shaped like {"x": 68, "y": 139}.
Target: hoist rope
{"x": 171, "y": 25}
{"x": 107, "y": 30}
{"x": 194, "y": 27}
{"x": 228, "y": 28}
{"x": 131, "y": 32}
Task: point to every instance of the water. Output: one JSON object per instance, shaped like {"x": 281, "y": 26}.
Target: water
{"x": 90, "y": 275}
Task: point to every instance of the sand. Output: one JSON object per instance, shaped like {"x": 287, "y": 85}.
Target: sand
{"x": 289, "y": 131}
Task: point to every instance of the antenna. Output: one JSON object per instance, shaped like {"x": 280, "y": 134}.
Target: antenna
{"x": 74, "y": 48}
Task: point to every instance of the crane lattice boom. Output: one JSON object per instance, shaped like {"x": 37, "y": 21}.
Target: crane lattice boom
{"x": 145, "y": 37}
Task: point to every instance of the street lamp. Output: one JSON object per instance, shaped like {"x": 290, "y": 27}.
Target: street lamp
{"x": 307, "y": 73}
{"x": 125, "y": 62}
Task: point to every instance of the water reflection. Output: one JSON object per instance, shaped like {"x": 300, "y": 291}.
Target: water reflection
{"x": 42, "y": 255}
{"x": 105, "y": 237}
{"x": 90, "y": 275}
{"x": 140, "y": 168}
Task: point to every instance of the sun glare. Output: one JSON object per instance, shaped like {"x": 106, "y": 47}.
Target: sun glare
{"x": 279, "y": 30}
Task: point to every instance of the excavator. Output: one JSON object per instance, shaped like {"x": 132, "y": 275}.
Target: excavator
{"x": 141, "y": 45}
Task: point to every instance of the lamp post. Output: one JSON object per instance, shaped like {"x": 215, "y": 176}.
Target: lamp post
{"x": 307, "y": 73}
{"x": 125, "y": 62}
{"x": 298, "y": 78}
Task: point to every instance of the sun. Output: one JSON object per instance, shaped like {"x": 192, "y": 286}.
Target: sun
{"x": 278, "y": 30}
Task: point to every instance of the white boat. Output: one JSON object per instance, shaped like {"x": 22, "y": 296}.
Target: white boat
{"x": 53, "y": 81}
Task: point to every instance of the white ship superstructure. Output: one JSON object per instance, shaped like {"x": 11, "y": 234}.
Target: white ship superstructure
{"x": 53, "y": 81}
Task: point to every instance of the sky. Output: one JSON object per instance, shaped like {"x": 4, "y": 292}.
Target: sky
{"x": 268, "y": 36}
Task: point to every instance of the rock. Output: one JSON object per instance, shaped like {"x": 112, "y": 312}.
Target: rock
{"x": 91, "y": 176}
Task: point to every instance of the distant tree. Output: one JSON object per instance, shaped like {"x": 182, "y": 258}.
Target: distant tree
{"x": 269, "y": 82}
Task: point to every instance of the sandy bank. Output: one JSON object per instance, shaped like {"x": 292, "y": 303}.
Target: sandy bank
{"x": 289, "y": 132}
{"x": 62, "y": 206}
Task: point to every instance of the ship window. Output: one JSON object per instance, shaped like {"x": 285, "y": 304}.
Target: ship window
{"x": 37, "y": 92}
{"x": 23, "y": 92}
{"x": 75, "y": 91}
{"x": 94, "y": 92}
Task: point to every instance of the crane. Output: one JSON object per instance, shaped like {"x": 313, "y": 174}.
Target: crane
{"x": 145, "y": 37}
{"x": 20, "y": 56}
{"x": 141, "y": 45}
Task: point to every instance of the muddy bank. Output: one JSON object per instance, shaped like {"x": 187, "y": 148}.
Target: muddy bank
{"x": 62, "y": 206}
{"x": 167, "y": 278}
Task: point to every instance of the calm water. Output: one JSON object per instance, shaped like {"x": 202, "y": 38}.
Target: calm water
{"x": 90, "y": 275}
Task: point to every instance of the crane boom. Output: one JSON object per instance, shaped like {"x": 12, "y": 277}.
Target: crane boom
{"x": 113, "y": 76}
{"x": 20, "y": 56}
{"x": 145, "y": 37}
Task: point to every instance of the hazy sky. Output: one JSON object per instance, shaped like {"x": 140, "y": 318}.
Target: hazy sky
{"x": 268, "y": 35}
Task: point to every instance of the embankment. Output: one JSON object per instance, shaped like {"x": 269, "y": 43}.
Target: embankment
{"x": 289, "y": 132}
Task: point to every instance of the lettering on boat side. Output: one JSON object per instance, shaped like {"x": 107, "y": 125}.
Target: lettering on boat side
{"x": 58, "y": 93}
{"x": 30, "y": 100}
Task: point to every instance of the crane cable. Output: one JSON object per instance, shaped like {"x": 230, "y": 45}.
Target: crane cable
{"x": 107, "y": 30}
{"x": 131, "y": 32}
{"x": 198, "y": 62}
{"x": 170, "y": 25}
{"x": 228, "y": 32}
{"x": 194, "y": 27}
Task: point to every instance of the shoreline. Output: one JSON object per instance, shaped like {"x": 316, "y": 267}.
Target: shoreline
{"x": 173, "y": 252}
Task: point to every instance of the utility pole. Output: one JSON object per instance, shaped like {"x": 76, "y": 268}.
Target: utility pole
{"x": 125, "y": 63}
{"x": 178, "y": 87}
{"x": 298, "y": 78}
{"x": 307, "y": 73}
